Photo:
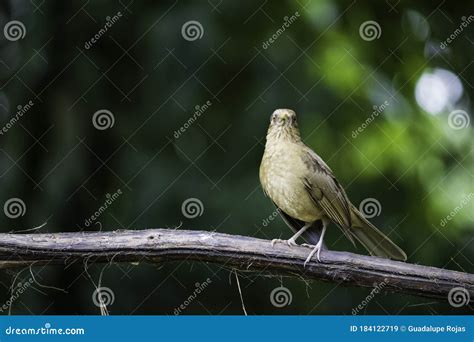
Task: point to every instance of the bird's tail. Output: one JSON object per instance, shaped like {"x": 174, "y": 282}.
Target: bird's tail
{"x": 373, "y": 239}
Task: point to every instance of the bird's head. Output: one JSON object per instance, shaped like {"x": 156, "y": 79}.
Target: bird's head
{"x": 283, "y": 117}
{"x": 283, "y": 124}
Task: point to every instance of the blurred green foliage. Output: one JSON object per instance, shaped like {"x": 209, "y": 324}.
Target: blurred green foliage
{"x": 144, "y": 72}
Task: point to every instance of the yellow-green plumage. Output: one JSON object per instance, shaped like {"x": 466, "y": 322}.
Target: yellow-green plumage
{"x": 301, "y": 185}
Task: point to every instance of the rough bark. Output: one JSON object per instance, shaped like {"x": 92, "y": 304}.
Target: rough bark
{"x": 233, "y": 251}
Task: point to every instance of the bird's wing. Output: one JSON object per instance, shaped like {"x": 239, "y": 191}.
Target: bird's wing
{"x": 326, "y": 191}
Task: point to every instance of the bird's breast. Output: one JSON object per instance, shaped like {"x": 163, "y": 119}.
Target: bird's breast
{"x": 282, "y": 173}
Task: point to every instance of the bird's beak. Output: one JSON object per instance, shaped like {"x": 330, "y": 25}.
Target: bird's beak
{"x": 282, "y": 121}
{"x": 287, "y": 121}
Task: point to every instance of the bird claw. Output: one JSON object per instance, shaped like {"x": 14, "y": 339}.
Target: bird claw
{"x": 317, "y": 251}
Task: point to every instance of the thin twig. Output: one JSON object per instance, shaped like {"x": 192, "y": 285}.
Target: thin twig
{"x": 240, "y": 292}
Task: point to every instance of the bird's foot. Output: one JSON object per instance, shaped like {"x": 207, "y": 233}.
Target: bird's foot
{"x": 307, "y": 245}
{"x": 316, "y": 250}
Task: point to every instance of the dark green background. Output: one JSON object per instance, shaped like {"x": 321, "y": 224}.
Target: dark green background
{"x": 151, "y": 79}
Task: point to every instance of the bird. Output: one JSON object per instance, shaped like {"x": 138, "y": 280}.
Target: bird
{"x": 308, "y": 196}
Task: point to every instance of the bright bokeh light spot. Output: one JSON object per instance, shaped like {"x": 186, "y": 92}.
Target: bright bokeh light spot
{"x": 438, "y": 90}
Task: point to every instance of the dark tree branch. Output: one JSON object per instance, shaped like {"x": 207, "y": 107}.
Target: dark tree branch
{"x": 233, "y": 251}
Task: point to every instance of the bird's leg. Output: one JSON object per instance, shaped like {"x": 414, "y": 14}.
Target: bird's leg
{"x": 292, "y": 241}
{"x": 317, "y": 248}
